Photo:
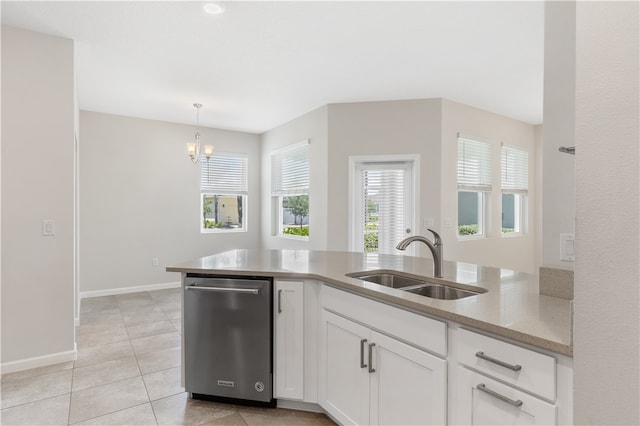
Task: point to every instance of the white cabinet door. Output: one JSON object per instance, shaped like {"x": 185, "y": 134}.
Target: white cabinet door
{"x": 408, "y": 387}
{"x": 484, "y": 401}
{"x": 289, "y": 339}
{"x": 344, "y": 381}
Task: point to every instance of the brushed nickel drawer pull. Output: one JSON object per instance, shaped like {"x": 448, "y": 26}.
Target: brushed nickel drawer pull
{"x": 280, "y": 301}
{"x": 516, "y": 403}
{"x": 371, "y": 369}
{"x": 516, "y": 367}
{"x": 362, "y": 343}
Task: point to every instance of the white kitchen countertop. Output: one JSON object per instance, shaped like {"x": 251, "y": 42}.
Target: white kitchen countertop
{"x": 511, "y": 308}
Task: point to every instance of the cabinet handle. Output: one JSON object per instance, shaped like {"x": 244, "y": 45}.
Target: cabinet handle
{"x": 371, "y": 369}
{"x": 515, "y": 402}
{"x": 223, "y": 289}
{"x": 516, "y": 367}
{"x": 362, "y": 364}
{"x": 280, "y": 301}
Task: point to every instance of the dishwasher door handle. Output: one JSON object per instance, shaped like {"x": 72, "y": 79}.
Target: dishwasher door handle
{"x": 224, "y": 289}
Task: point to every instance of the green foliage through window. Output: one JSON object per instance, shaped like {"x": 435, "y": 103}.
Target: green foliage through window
{"x": 301, "y": 232}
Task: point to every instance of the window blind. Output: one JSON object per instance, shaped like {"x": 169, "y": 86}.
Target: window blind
{"x": 290, "y": 170}
{"x": 224, "y": 173}
{"x": 474, "y": 165}
{"x": 515, "y": 170}
{"x": 383, "y": 204}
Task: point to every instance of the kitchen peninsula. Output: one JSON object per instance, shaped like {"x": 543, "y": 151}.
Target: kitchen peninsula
{"x": 512, "y": 306}
{"x": 366, "y": 353}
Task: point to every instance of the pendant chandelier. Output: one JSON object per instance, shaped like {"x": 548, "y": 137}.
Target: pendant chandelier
{"x": 193, "y": 148}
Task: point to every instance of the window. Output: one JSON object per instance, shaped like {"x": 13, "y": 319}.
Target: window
{"x": 515, "y": 187}
{"x": 223, "y": 192}
{"x": 474, "y": 186}
{"x": 290, "y": 190}
{"x": 382, "y": 205}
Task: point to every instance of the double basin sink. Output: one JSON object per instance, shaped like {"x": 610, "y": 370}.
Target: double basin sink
{"x": 419, "y": 286}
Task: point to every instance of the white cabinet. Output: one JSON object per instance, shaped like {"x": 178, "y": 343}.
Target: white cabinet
{"x": 370, "y": 378}
{"x": 408, "y": 386}
{"x": 484, "y": 401}
{"x": 499, "y": 383}
{"x": 523, "y": 368}
{"x": 289, "y": 339}
{"x": 344, "y": 376}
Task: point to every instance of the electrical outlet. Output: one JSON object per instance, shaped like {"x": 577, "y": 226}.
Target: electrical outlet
{"x": 155, "y": 262}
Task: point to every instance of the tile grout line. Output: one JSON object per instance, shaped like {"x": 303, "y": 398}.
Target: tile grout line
{"x": 144, "y": 383}
{"x": 73, "y": 373}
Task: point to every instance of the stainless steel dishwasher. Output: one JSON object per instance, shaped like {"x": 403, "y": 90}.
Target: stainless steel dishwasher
{"x": 228, "y": 329}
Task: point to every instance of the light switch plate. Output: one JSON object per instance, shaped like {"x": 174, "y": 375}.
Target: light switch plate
{"x": 48, "y": 227}
{"x": 567, "y": 247}
{"x": 428, "y": 222}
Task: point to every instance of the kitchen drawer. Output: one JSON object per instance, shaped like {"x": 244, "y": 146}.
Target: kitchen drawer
{"x": 482, "y": 401}
{"x": 526, "y": 369}
{"x": 424, "y": 332}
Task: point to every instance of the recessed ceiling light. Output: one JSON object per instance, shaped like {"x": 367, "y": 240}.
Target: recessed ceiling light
{"x": 213, "y": 8}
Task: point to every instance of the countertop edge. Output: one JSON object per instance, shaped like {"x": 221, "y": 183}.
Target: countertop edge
{"x": 515, "y": 335}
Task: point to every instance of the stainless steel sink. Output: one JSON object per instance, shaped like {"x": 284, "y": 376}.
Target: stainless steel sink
{"x": 386, "y": 279}
{"x": 442, "y": 292}
{"x": 422, "y": 287}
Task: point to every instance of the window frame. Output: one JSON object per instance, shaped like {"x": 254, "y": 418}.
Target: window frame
{"x": 480, "y": 183}
{"x": 516, "y": 185}
{"x": 280, "y": 188}
{"x": 412, "y": 193}
{"x": 208, "y": 190}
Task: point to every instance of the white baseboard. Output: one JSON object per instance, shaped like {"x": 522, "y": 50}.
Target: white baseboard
{"x": 125, "y": 290}
{"x": 38, "y": 361}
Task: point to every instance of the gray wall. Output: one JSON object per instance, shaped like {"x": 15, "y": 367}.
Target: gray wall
{"x": 140, "y": 199}
{"x": 558, "y": 173}
{"x": 37, "y": 183}
{"x": 383, "y": 128}
{"x": 425, "y": 127}
{"x": 311, "y": 126}
{"x": 512, "y": 252}
{"x": 607, "y": 275}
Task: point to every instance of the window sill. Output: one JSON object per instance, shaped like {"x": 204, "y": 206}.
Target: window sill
{"x": 223, "y": 231}
{"x": 292, "y": 237}
{"x": 511, "y": 234}
{"x": 471, "y": 237}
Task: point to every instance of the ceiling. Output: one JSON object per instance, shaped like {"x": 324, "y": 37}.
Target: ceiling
{"x": 263, "y": 63}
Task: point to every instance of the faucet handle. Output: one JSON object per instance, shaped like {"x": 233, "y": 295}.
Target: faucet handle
{"x": 436, "y": 238}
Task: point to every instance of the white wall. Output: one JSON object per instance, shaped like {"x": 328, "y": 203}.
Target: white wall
{"x": 513, "y": 252}
{"x": 140, "y": 199}
{"x": 558, "y": 173}
{"x": 607, "y": 276}
{"x": 383, "y": 128}
{"x": 311, "y": 126}
{"x": 37, "y": 183}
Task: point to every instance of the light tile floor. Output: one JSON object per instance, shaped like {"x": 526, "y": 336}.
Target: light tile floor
{"x": 127, "y": 372}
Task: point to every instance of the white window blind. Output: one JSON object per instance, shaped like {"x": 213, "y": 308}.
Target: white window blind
{"x": 474, "y": 165}
{"x": 224, "y": 173}
{"x": 515, "y": 170}
{"x": 383, "y": 206}
{"x": 290, "y": 170}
